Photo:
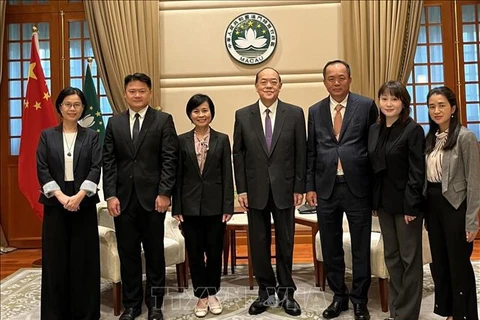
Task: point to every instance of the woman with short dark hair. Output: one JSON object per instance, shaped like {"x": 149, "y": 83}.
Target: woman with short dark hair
{"x": 69, "y": 159}
{"x": 203, "y": 200}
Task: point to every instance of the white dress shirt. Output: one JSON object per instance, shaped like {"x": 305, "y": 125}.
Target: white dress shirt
{"x": 333, "y": 105}
{"x": 140, "y": 119}
{"x": 69, "y": 141}
{"x": 273, "y": 112}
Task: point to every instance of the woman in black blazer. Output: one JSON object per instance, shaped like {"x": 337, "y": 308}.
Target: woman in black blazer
{"x": 396, "y": 146}
{"x": 68, "y": 166}
{"x": 453, "y": 203}
{"x": 203, "y": 200}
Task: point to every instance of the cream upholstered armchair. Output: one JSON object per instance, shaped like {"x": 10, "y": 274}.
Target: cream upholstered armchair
{"x": 174, "y": 244}
{"x": 377, "y": 257}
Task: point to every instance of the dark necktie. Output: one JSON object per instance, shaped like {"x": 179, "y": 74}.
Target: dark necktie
{"x": 268, "y": 129}
{"x": 136, "y": 128}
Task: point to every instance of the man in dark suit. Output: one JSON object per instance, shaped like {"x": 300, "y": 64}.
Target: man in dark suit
{"x": 140, "y": 155}
{"x": 339, "y": 180}
{"x": 269, "y": 160}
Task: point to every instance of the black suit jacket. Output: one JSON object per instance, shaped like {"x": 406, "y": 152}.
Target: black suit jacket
{"x": 282, "y": 168}
{"x": 399, "y": 186}
{"x": 323, "y": 149}
{"x": 87, "y": 162}
{"x": 150, "y": 167}
{"x": 209, "y": 193}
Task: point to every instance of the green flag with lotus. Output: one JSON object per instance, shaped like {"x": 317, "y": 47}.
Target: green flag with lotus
{"x": 93, "y": 116}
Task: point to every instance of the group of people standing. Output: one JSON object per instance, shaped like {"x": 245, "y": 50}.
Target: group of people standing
{"x": 355, "y": 161}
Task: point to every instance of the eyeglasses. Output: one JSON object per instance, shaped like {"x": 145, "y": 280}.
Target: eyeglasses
{"x": 76, "y": 105}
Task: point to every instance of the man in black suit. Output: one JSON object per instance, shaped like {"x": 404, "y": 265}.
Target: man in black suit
{"x": 338, "y": 181}
{"x": 269, "y": 160}
{"x": 139, "y": 166}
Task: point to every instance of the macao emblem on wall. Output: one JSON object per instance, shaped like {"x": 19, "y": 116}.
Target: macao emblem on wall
{"x": 251, "y": 38}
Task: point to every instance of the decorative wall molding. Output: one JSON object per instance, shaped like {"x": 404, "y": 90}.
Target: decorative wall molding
{"x": 220, "y": 81}
{"x": 195, "y": 5}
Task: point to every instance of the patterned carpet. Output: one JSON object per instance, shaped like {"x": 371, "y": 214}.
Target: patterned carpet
{"x": 20, "y": 297}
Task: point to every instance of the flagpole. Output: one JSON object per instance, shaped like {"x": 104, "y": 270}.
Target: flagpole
{"x": 35, "y": 34}
{"x": 100, "y": 183}
{"x": 36, "y": 263}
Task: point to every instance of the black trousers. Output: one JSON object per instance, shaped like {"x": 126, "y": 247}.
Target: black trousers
{"x": 204, "y": 242}
{"x": 452, "y": 271}
{"x": 260, "y": 239}
{"x": 136, "y": 227}
{"x": 403, "y": 256}
{"x": 70, "y": 264}
{"x": 330, "y": 220}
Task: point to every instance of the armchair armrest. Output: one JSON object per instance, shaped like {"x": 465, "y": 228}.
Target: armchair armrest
{"x": 109, "y": 259}
{"x": 107, "y": 235}
{"x": 104, "y": 219}
{"x": 174, "y": 241}
{"x": 172, "y": 230}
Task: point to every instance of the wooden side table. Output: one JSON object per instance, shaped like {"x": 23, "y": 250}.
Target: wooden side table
{"x": 239, "y": 222}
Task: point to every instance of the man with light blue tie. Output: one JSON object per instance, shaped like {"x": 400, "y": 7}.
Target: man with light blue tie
{"x": 269, "y": 156}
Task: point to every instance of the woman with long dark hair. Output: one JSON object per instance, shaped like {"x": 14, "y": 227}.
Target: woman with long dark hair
{"x": 453, "y": 202}
{"x": 69, "y": 159}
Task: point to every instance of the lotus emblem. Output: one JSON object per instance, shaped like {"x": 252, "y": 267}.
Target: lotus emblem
{"x": 251, "y": 38}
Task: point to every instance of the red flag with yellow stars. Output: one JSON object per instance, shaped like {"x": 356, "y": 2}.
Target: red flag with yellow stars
{"x": 38, "y": 114}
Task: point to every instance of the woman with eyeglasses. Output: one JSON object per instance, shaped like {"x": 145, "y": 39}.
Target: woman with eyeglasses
{"x": 69, "y": 159}
{"x": 452, "y": 206}
{"x": 203, "y": 201}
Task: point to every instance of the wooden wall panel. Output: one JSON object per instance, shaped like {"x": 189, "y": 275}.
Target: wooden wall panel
{"x": 22, "y": 228}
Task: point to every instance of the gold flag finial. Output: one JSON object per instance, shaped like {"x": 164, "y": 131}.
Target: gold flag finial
{"x": 34, "y": 29}
{"x": 90, "y": 60}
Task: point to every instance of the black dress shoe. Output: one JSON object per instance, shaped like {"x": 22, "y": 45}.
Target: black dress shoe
{"x": 291, "y": 306}
{"x": 130, "y": 314}
{"x": 360, "y": 311}
{"x": 155, "y": 314}
{"x": 260, "y": 305}
{"x": 334, "y": 309}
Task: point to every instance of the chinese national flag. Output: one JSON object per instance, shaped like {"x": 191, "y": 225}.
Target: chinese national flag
{"x": 38, "y": 114}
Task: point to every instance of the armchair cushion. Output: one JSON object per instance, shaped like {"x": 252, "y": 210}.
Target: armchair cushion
{"x": 109, "y": 260}
{"x": 174, "y": 245}
{"x": 377, "y": 255}
{"x": 377, "y": 261}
